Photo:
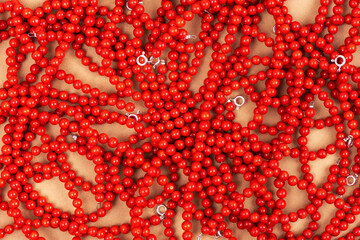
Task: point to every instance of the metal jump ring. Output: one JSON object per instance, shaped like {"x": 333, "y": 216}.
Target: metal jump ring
{"x": 31, "y": 34}
{"x": 199, "y": 237}
{"x": 274, "y": 29}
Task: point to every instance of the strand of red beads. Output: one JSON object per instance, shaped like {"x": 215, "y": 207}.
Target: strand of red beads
{"x": 186, "y": 142}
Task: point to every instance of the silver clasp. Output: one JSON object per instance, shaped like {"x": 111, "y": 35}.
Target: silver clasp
{"x": 218, "y": 234}
{"x": 32, "y": 34}
{"x": 156, "y": 61}
{"x": 133, "y": 115}
{"x": 190, "y": 37}
{"x": 161, "y": 213}
{"x": 75, "y": 137}
{"x": 127, "y": 5}
{"x": 274, "y": 28}
{"x": 153, "y": 61}
{"x": 238, "y": 101}
{"x": 349, "y": 140}
{"x": 311, "y": 104}
{"x": 336, "y": 61}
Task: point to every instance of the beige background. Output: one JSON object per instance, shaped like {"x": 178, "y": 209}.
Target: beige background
{"x": 303, "y": 11}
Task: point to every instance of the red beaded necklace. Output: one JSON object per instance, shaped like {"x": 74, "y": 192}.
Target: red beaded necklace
{"x": 186, "y": 142}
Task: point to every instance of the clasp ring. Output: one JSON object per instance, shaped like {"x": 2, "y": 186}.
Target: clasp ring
{"x": 241, "y": 99}
{"x": 350, "y": 180}
{"x": 142, "y": 56}
{"x": 336, "y": 61}
{"x": 238, "y": 101}
{"x": 161, "y": 214}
